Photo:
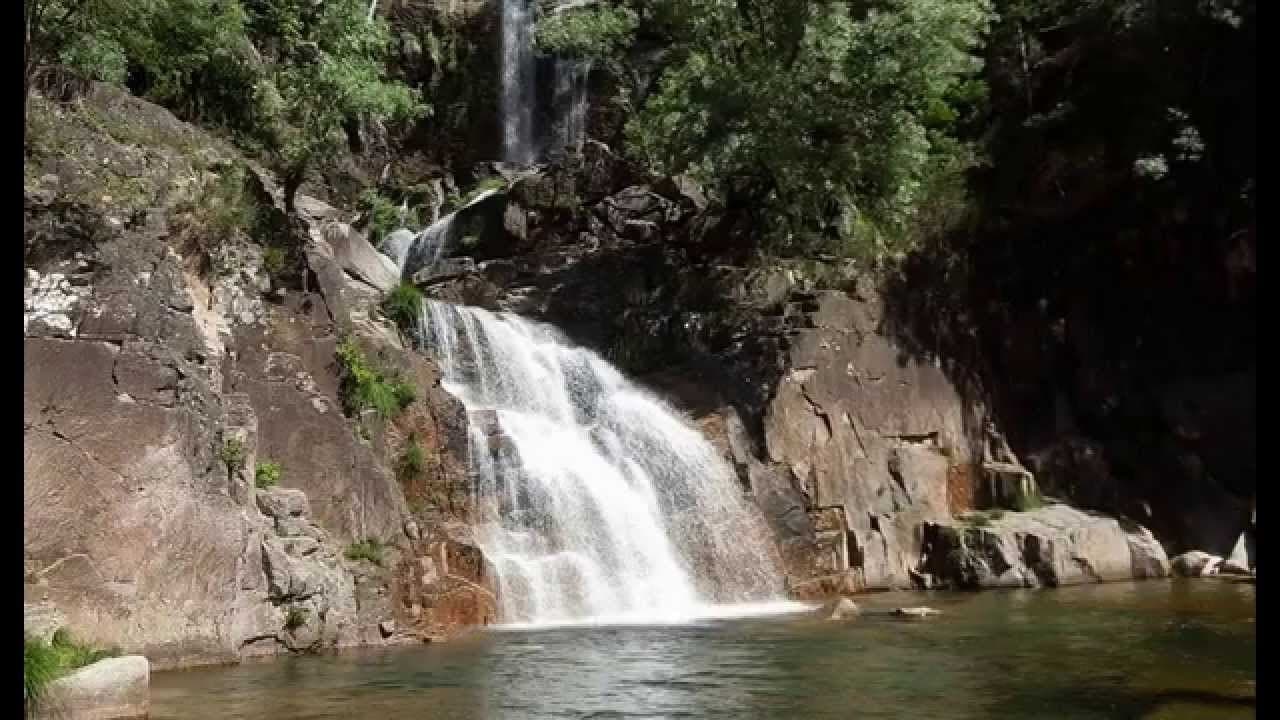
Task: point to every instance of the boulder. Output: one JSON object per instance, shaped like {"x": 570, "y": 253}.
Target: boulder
{"x": 356, "y": 256}
{"x": 1051, "y": 546}
{"x": 279, "y": 502}
{"x": 1240, "y": 562}
{"x": 1196, "y": 563}
{"x": 840, "y": 609}
{"x": 111, "y": 689}
{"x": 444, "y": 270}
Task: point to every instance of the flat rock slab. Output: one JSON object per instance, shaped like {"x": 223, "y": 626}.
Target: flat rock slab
{"x": 111, "y": 689}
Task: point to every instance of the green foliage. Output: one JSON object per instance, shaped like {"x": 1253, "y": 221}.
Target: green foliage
{"x": 43, "y": 663}
{"x": 369, "y": 549}
{"x": 295, "y": 618}
{"x": 596, "y": 32}
{"x": 232, "y": 453}
{"x": 490, "y": 183}
{"x": 403, "y": 305}
{"x": 827, "y": 123}
{"x": 1028, "y": 502}
{"x": 273, "y": 260}
{"x": 39, "y": 668}
{"x": 366, "y": 387}
{"x": 382, "y": 216}
{"x": 412, "y": 460}
{"x": 283, "y": 76}
{"x": 267, "y": 474}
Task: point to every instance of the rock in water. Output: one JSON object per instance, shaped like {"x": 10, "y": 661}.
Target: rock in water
{"x": 1240, "y": 560}
{"x": 840, "y": 609}
{"x": 111, "y": 689}
{"x": 915, "y": 613}
{"x": 1196, "y": 563}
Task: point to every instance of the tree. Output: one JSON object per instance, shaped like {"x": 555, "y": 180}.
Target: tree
{"x": 826, "y": 123}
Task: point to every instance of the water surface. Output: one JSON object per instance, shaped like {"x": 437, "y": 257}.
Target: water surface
{"x": 1180, "y": 649}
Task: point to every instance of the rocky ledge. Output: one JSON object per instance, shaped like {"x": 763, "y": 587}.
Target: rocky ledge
{"x": 1050, "y": 546}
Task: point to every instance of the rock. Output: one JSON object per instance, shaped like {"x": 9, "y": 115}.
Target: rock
{"x": 354, "y": 254}
{"x": 41, "y": 620}
{"x": 1240, "y": 562}
{"x": 685, "y": 189}
{"x": 915, "y": 613}
{"x": 840, "y": 609}
{"x": 1054, "y": 545}
{"x": 1196, "y": 563}
{"x": 279, "y": 502}
{"x": 387, "y": 628}
{"x": 446, "y": 269}
{"x": 111, "y": 689}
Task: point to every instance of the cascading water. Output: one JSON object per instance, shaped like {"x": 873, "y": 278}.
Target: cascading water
{"x": 517, "y": 82}
{"x": 570, "y": 103}
{"x": 412, "y": 252}
{"x": 597, "y": 502}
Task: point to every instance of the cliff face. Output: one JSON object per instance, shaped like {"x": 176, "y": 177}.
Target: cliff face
{"x": 164, "y": 362}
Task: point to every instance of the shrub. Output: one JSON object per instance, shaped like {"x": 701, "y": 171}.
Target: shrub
{"x": 403, "y": 305}
{"x": 412, "y": 460}
{"x": 365, "y": 387}
{"x": 232, "y": 454}
{"x": 267, "y": 474}
{"x": 273, "y": 261}
{"x": 382, "y": 216}
{"x": 368, "y": 549}
{"x": 1029, "y": 502}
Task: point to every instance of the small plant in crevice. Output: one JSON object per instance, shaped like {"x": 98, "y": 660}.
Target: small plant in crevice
{"x": 369, "y": 549}
{"x": 412, "y": 460}
{"x": 1028, "y": 502}
{"x": 295, "y": 618}
{"x": 267, "y": 474}
{"x": 367, "y": 387}
{"x": 403, "y": 305}
{"x": 273, "y": 261}
{"x": 382, "y": 216}
{"x": 232, "y": 453}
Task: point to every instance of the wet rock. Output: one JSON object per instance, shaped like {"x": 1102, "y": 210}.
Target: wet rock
{"x": 445, "y": 270}
{"x": 915, "y": 613}
{"x": 1196, "y": 563}
{"x": 112, "y": 689}
{"x": 840, "y": 609}
{"x": 387, "y": 628}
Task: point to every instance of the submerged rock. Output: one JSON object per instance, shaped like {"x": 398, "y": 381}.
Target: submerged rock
{"x": 915, "y": 613}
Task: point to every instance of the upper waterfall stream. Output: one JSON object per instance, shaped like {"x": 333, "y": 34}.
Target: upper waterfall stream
{"x": 598, "y": 502}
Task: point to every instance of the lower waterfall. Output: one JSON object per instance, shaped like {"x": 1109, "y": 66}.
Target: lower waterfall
{"x": 597, "y": 502}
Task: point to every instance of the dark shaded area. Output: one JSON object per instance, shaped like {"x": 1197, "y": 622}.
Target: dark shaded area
{"x": 1106, "y": 295}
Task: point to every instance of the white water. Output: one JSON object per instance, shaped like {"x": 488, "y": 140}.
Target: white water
{"x": 412, "y": 252}
{"x": 517, "y": 82}
{"x": 570, "y": 103}
{"x": 597, "y": 502}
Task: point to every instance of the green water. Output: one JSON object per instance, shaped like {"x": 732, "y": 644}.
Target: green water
{"x": 1179, "y": 649}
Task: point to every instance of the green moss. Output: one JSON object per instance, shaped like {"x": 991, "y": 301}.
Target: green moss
{"x": 267, "y": 474}
{"x": 273, "y": 261}
{"x": 369, "y": 549}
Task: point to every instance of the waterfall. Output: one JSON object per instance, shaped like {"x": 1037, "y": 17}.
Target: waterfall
{"x": 517, "y": 82}
{"x": 412, "y": 252}
{"x": 596, "y": 501}
{"x": 570, "y": 103}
